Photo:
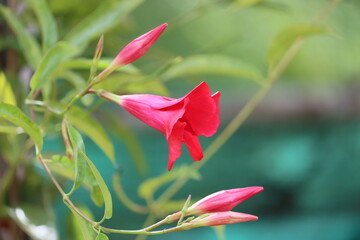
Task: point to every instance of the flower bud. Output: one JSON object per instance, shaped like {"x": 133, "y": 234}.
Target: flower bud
{"x": 224, "y": 200}
{"x": 133, "y": 51}
{"x": 221, "y": 218}
{"x": 139, "y": 46}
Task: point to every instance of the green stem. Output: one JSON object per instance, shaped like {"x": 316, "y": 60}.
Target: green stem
{"x": 95, "y": 81}
{"x": 67, "y": 200}
{"x": 144, "y": 231}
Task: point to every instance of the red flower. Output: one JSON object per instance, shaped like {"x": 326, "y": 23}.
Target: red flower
{"x": 139, "y": 46}
{"x": 180, "y": 120}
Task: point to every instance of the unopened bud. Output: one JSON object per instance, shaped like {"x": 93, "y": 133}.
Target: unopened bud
{"x": 133, "y": 51}
{"x": 221, "y": 218}
{"x": 224, "y": 200}
{"x": 139, "y": 46}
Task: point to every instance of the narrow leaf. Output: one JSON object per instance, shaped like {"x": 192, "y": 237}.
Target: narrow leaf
{"x": 85, "y": 123}
{"x": 50, "y": 62}
{"x": 96, "y": 58}
{"x": 96, "y": 195}
{"x": 17, "y": 117}
{"x": 247, "y": 3}
{"x": 283, "y": 41}
{"x": 82, "y": 230}
{"x": 103, "y": 187}
{"x": 30, "y": 48}
{"x": 213, "y": 64}
{"x": 133, "y": 84}
{"x": 78, "y": 147}
{"x": 105, "y": 17}
{"x": 47, "y": 23}
{"x": 64, "y": 167}
{"x": 85, "y": 63}
{"x": 6, "y": 92}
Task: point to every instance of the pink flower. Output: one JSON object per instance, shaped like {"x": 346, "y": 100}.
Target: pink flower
{"x": 224, "y": 200}
{"x": 221, "y": 218}
{"x": 138, "y": 47}
{"x": 180, "y": 120}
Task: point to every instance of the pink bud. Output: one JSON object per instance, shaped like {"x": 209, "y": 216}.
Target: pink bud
{"x": 221, "y": 218}
{"x": 138, "y": 47}
{"x": 224, "y": 200}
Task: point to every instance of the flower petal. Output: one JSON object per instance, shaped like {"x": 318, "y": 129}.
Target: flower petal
{"x": 202, "y": 111}
{"x": 141, "y": 106}
{"x": 175, "y": 141}
{"x": 193, "y": 145}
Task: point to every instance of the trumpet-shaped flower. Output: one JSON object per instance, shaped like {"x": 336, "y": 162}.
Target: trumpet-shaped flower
{"x": 180, "y": 120}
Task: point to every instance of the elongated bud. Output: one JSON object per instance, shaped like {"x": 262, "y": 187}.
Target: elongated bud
{"x": 139, "y": 46}
{"x": 99, "y": 48}
{"x": 221, "y": 201}
{"x": 221, "y": 218}
{"x": 97, "y": 55}
{"x": 224, "y": 200}
{"x": 133, "y": 51}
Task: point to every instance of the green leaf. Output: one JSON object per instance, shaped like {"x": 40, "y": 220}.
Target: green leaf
{"x": 132, "y": 84}
{"x": 81, "y": 229}
{"x": 17, "y": 117}
{"x": 148, "y": 188}
{"x": 102, "y": 236}
{"x": 105, "y": 17}
{"x": 64, "y": 167}
{"x": 283, "y": 41}
{"x": 78, "y": 147}
{"x": 49, "y": 64}
{"x": 103, "y": 187}
{"x": 96, "y": 195}
{"x": 30, "y": 48}
{"x": 213, "y": 64}
{"x": 85, "y": 63}
{"x": 85, "y": 123}
{"x": 6, "y": 92}
{"x": 247, "y": 3}
{"x": 47, "y": 23}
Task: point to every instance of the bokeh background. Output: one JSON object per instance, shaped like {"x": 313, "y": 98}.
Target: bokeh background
{"x": 302, "y": 143}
